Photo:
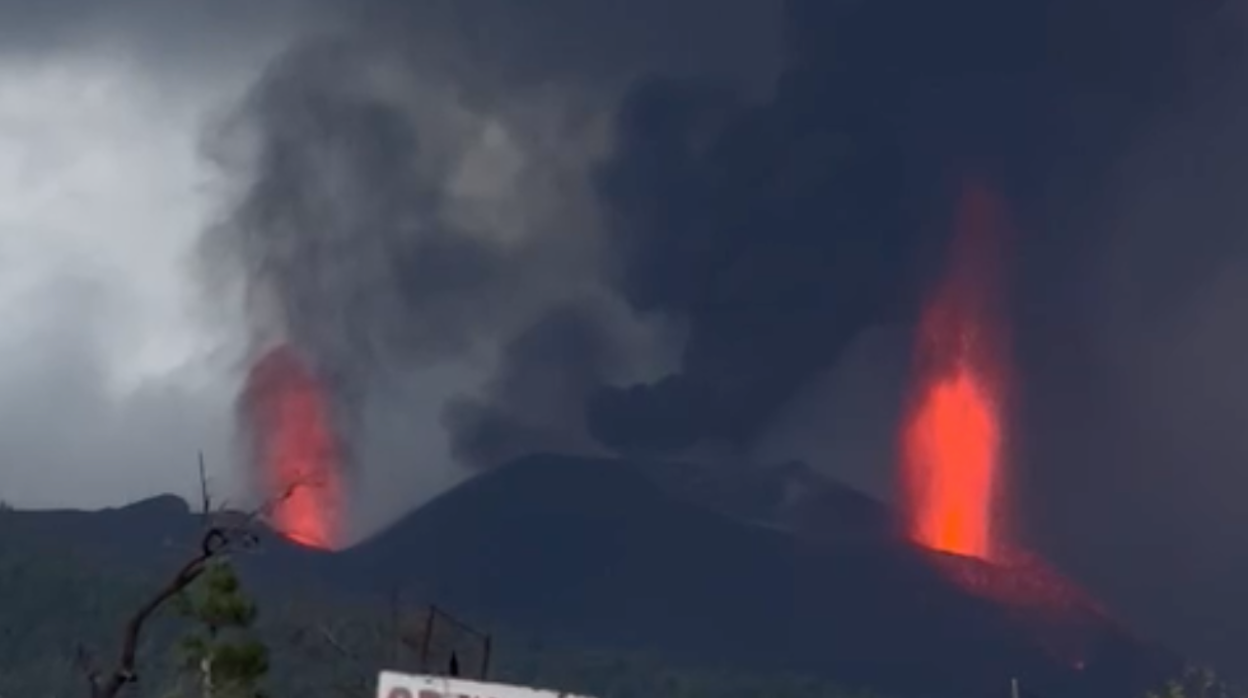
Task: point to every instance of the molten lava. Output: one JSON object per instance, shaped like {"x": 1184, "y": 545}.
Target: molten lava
{"x": 953, "y": 442}
{"x": 952, "y": 446}
{"x": 952, "y": 438}
{"x": 296, "y": 451}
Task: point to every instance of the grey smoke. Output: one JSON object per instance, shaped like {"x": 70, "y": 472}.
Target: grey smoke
{"x": 536, "y": 399}
{"x": 389, "y": 224}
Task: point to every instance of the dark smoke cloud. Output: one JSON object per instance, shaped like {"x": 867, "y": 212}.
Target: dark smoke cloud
{"x": 772, "y": 229}
{"x": 400, "y": 214}
{"x": 775, "y": 232}
{"x": 351, "y": 244}
{"x": 535, "y": 400}
{"x": 347, "y": 222}
{"x": 778, "y": 232}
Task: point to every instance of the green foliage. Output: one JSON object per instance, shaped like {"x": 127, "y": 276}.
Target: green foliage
{"x": 222, "y": 650}
{"x": 218, "y": 602}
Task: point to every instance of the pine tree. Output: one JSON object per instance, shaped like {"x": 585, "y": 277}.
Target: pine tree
{"x": 222, "y": 651}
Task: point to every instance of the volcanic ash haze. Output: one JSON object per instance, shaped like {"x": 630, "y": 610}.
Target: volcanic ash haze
{"x": 430, "y": 243}
{"x": 953, "y": 438}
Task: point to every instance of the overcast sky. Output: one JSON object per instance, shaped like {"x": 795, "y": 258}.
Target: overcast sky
{"x": 119, "y": 361}
{"x": 114, "y": 372}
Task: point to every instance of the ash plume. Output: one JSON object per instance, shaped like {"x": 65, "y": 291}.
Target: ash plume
{"x": 396, "y": 218}
{"x": 780, "y": 231}
{"x": 345, "y": 228}
{"x": 655, "y": 253}
{"x": 535, "y": 399}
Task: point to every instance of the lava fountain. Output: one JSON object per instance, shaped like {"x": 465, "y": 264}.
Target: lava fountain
{"x": 952, "y": 438}
{"x": 295, "y": 450}
{"x": 953, "y": 443}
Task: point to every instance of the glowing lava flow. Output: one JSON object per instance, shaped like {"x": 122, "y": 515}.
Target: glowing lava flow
{"x": 295, "y": 449}
{"x": 951, "y": 442}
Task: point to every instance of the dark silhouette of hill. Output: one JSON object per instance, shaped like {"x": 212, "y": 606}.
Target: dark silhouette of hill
{"x": 790, "y": 496}
{"x": 590, "y": 552}
{"x": 142, "y": 534}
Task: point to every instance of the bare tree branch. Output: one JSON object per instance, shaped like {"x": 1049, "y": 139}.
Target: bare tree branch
{"x": 125, "y": 673}
{"x": 216, "y": 540}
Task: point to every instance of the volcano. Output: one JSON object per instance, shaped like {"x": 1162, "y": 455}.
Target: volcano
{"x": 592, "y": 553}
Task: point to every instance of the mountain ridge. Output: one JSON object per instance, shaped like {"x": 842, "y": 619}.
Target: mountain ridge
{"x": 593, "y": 552}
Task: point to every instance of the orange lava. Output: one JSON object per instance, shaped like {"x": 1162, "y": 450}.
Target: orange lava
{"x": 951, "y": 447}
{"x": 296, "y": 451}
{"x": 1026, "y": 583}
{"x": 952, "y": 439}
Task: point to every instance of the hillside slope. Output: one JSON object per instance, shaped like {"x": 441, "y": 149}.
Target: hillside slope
{"x": 591, "y": 553}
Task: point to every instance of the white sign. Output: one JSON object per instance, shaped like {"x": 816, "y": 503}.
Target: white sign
{"x": 395, "y": 685}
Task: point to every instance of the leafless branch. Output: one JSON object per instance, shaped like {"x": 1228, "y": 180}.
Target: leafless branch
{"x": 215, "y": 540}
{"x": 266, "y": 508}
